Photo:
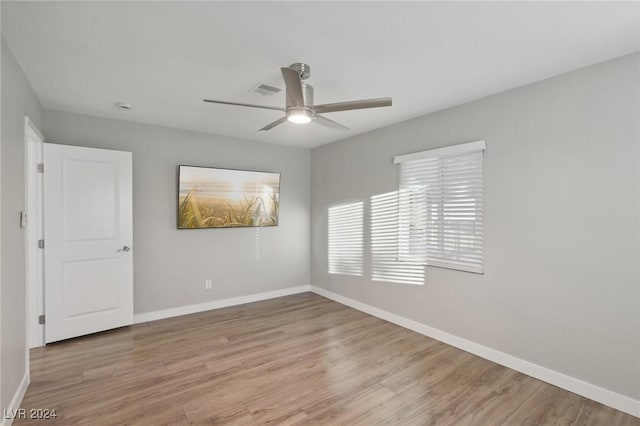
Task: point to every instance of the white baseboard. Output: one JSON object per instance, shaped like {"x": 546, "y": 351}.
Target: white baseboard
{"x": 577, "y": 386}
{"x": 16, "y": 401}
{"x": 217, "y": 304}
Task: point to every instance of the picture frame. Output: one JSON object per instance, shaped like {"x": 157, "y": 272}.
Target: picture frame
{"x": 211, "y": 197}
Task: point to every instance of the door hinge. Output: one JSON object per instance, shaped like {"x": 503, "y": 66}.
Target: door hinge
{"x": 40, "y": 167}
{"x": 41, "y": 244}
{"x": 41, "y": 319}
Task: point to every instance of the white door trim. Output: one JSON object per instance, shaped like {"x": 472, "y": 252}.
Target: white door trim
{"x": 34, "y": 265}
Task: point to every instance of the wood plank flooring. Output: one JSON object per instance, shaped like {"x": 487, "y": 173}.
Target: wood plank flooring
{"x": 295, "y": 360}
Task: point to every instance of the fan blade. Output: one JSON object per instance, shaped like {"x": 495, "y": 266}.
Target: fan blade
{"x": 274, "y": 124}
{"x": 324, "y": 121}
{"x": 245, "y": 105}
{"x": 292, "y": 81}
{"x": 346, "y": 106}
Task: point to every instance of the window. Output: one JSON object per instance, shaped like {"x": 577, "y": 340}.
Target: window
{"x": 386, "y": 264}
{"x": 440, "y": 207}
{"x": 345, "y": 245}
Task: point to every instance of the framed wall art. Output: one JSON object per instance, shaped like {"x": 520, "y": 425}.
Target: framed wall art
{"x": 224, "y": 198}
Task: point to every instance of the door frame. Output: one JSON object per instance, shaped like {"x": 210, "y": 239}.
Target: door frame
{"x": 34, "y": 222}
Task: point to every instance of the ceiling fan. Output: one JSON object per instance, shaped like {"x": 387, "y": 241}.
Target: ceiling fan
{"x": 300, "y": 108}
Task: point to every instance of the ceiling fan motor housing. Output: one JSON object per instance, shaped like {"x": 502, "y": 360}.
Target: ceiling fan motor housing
{"x": 307, "y": 94}
{"x": 302, "y": 115}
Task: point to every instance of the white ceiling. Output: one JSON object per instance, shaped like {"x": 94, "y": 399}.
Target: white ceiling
{"x": 164, "y": 57}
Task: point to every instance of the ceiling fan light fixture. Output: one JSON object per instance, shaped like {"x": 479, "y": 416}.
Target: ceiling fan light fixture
{"x": 300, "y": 116}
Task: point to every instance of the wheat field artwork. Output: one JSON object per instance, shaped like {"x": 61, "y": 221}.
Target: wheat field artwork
{"x": 225, "y": 198}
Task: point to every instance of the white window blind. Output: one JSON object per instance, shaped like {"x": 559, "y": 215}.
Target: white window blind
{"x": 386, "y": 265}
{"x": 440, "y": 205}
{"x": 345, "y": 239}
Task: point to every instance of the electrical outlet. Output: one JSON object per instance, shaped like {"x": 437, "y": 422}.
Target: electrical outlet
{"x": 208, "y": 284}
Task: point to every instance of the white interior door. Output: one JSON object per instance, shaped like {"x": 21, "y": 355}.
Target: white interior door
{"x": 88, "y": 237}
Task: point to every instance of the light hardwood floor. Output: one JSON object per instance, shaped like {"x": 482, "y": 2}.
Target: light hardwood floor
{"x": 299, "y": 359}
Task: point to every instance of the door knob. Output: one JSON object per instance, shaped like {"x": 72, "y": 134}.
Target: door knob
{"x": 124, "y": 248}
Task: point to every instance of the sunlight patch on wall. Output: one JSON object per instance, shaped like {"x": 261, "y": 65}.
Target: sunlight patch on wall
{"x": 386, "y": 263}
{"x": 346, "y": 238}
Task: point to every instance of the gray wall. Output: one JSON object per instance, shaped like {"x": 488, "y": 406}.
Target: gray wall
{"x": 561, "y": 287}
{"x": 18, "y": 100}
{"x": 170, "y": 265}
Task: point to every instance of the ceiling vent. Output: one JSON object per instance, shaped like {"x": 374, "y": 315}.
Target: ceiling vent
{"x": 265, "y": 89}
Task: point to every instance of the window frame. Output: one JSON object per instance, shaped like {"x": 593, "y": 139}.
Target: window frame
{"x": 413, "y": 202}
